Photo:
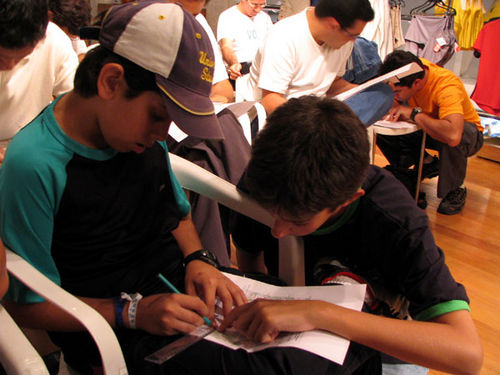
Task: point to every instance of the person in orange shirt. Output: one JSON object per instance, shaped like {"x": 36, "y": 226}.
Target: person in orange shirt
{"x": 436, "y": 100}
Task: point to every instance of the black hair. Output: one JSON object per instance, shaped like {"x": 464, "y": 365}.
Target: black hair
{"x": 71, "y": 14}
{"x": 400, "y": 58}
{"x": 138, "y": 79}
{"x": 22, "y": 22}
{"x": 346, "y": 12}
{"x": 312, "y": 154}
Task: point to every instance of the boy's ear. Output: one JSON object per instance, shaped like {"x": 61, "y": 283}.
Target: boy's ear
{"x": 358, "y": 194}
{"x": 110, "y": 81}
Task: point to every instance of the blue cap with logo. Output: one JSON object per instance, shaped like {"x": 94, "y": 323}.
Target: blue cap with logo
{"x": 167, "y": 40}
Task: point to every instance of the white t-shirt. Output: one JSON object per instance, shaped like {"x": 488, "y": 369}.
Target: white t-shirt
{"x": 290, "y": 62}
{"x": 220, "y": 73}
{"x": 246, "y": 33}
{"x": 79, "y": 46}
{"x": 30, "y": 86}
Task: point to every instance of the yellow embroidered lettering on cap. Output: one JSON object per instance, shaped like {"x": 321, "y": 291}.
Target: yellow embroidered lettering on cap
{"x": 207, "y": 75}
{"x": 206, "y": 60}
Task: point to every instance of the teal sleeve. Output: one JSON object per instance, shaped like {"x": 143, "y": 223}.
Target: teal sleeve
{"x": 29, "y": 194}
{"x": 180, "y": 196}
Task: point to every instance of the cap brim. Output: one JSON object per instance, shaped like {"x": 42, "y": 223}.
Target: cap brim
{"x": 192, "y": 112}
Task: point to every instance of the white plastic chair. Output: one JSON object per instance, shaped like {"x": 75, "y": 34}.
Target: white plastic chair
{"x": 17, "y": 355}
{"x": 98, "y": 327}
{"x": 201, "y": 181}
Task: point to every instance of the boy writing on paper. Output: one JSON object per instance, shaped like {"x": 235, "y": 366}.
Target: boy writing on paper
{"x": 309, "y": 168}
{"x": 98, "y": 210}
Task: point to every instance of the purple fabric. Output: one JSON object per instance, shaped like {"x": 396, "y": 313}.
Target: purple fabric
{"x": 424, "y": 34}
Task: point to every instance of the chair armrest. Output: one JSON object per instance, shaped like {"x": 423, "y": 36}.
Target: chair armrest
{"x": 98, "y": 327}
{"x": 17, "y": 355}
{"x": 194, "y": 178}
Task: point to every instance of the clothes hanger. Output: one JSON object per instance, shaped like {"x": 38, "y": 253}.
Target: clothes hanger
{"x": 430, "y": 4}
{"x": 423, "y": 7}
{"x": 447, "y": 7}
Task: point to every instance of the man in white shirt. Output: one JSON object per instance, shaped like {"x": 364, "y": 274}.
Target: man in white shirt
{"x": 70, "y": 16}
{"x": 37, "y": 63}
{"x": 306, "y": 54}
{"x": 240, "y": 31}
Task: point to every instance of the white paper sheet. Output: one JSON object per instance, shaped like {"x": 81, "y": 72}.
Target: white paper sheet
{"x": 396, "y": 124}
{"x": 322, "y": 343}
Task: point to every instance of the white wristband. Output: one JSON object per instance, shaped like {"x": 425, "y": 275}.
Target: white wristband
{"x": 132, "y": 307}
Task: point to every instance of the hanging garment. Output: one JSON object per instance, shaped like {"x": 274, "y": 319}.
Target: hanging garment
{"x": 487, "y": 91}
{"x": 468, "y": 22}
{"x": 225, "y": 158}
{"x": 364, "y": 62}
{"x": 380, "y": 29}
{"x": 397, "y": 28}
{"x": 494, "y": 12}
{"x": 431, "y": 37}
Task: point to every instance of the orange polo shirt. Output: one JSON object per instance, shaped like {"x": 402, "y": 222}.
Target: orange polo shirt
{"x": 444, "y": 94}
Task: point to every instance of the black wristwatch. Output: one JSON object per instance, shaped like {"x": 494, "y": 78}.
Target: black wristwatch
{"x": 415, "y": 111}
{"x": 204, "y": 255}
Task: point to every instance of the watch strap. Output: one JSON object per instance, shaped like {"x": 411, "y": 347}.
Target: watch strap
{"x": 203, "y": 255}
{"x": 414, "y": 112}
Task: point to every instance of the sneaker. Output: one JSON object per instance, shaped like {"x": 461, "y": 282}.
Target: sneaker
{"x": 430, "y": 170}
{"x": 453, "y": 202}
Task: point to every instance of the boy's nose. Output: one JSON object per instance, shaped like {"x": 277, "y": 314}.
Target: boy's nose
{"x": 280, "y": 228}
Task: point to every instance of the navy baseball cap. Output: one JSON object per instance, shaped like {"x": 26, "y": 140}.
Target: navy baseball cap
{"x": 167, "y": 40}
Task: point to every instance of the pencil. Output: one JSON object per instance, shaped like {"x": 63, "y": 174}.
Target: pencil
{"x": 175, "y": 290}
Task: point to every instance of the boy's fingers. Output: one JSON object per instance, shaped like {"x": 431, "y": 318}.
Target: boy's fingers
{"x": 230, "y": 318}
{"x": 209, "y": 298}
{"x": 239, "y": 297}
{"x": 195, "y": 305}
